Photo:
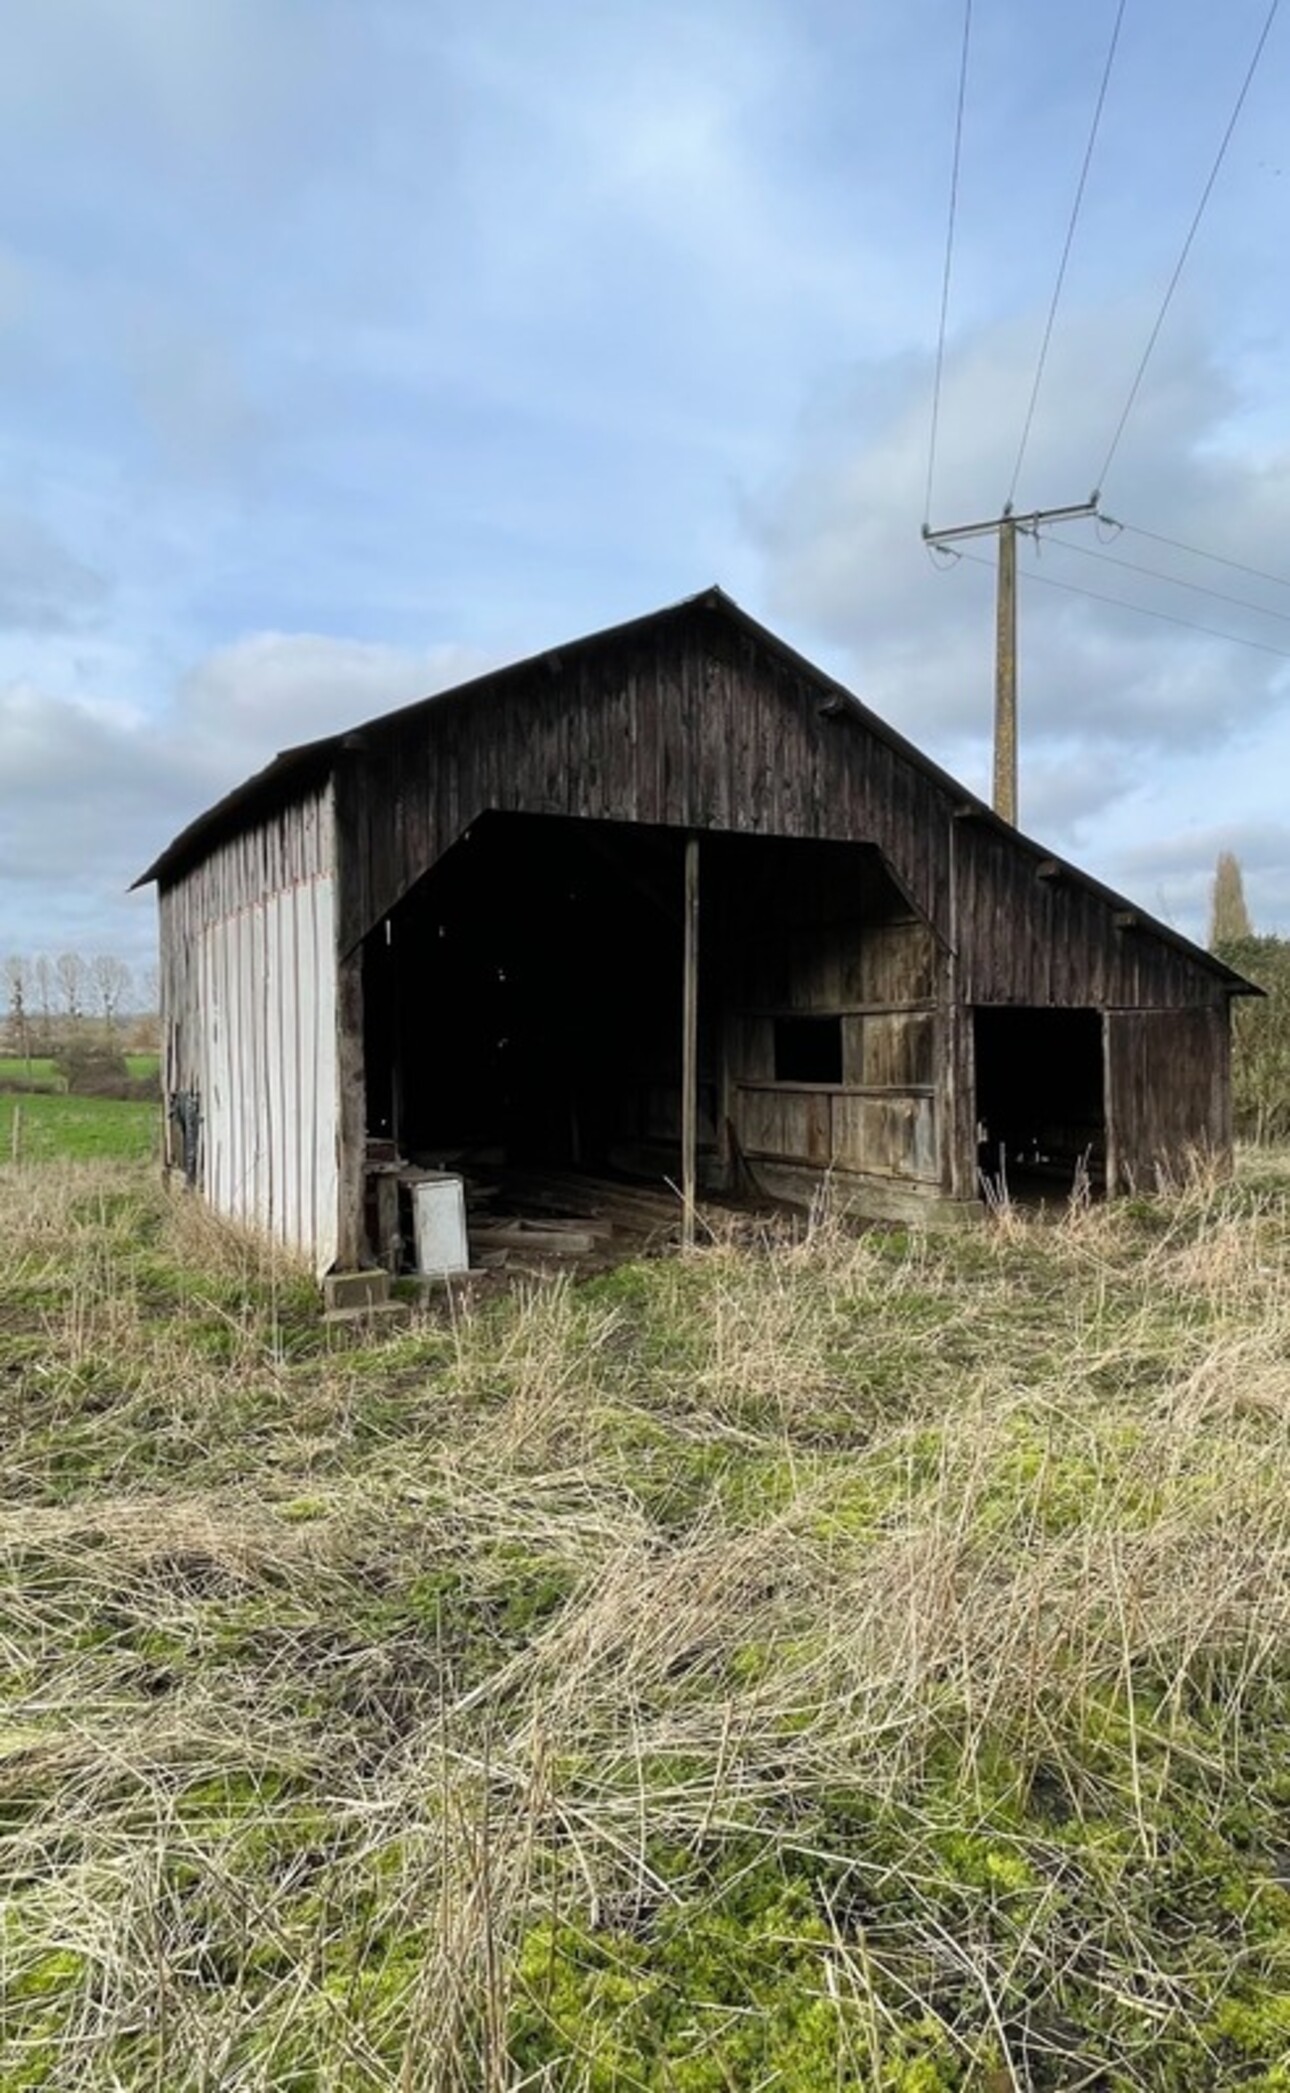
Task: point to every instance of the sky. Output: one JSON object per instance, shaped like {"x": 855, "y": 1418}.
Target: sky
{"x": 351, "y": 347}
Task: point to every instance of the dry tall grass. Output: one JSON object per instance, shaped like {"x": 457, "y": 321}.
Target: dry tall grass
{"x": 855, "y": 1662}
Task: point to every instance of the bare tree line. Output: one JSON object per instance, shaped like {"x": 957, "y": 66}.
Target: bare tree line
{"x": 53, "y": 999}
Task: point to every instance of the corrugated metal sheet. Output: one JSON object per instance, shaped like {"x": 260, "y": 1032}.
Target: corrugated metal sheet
{"x": 249, "y": 1007}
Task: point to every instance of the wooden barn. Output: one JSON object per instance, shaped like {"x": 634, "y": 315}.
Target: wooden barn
{"x": 665, "y": 902}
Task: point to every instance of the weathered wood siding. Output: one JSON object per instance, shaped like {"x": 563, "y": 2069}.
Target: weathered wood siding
{"x": 879, "y": 982}
{"x": 690, "y": 721}
{"x": 693, "y": 720}
{"x": 248, "y": 940}
{"x": 1168, "y": 1094}
{"x": 685, "y": 723}
{"x": 1031, "y": 933}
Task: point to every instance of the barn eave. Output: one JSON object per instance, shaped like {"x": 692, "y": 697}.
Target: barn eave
{"x": 294, "y": 770}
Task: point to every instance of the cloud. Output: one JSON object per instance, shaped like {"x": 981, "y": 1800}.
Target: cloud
{"x": 842, "y": 544}
{"x": 43, "y": 588}
{"x": 247, "y": 701}
{"x": 190, "y": 392}
{"x": 1176, "y": 872}
{"x": 414, "y": 323}
{"x": 197, "y": 76}
{"x": 1066, "y": 784}
{"x": 95, "y": 787}
{"x": 1262, "y": 846}
{"x": 80, "y": 777}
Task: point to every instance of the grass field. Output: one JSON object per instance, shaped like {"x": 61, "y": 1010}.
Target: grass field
{"x": 53, "y": 1126}
{"x": 857, "y": 1663}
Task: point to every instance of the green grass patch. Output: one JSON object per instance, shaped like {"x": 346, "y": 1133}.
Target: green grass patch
{"x": 53, "y": 1126}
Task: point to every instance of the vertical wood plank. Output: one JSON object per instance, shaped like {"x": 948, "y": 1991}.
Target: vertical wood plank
{"x": 690, "y": 1045}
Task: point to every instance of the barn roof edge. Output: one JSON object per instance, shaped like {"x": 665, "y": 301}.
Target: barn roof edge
{"x": 294, "y": 769}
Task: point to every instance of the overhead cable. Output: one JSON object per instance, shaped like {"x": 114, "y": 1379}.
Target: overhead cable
{"x": 1175, "y": 581}
{"x": 949, "y": 255}
{"x": 1139, "y": 609}
{"x": 1186, "y": 246}
{"x": 1220, "y": 559}
{"x": 1066, "y": 253}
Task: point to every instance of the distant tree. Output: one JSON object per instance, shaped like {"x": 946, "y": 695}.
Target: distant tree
{"x": 69, "y": 973}
{"x": 1229, "y": 918}
{"x": 147, "y": 1028}
{"x": 112, "y": 982}
{"x": 17, "y": 989}
{"x": 42, "y": 974}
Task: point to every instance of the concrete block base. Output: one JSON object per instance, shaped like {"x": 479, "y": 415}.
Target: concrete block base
{"x": 361, "y": 1290}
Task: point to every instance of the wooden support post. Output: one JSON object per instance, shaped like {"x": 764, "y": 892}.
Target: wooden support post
{"x": 351, "y": 1111}
{"x": 690, "y": 1046}
{"x": 1110, "y": 1116}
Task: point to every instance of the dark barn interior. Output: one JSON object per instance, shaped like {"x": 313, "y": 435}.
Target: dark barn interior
{"x": 1041, "y": 1089}
{"x": 525, "y": 989}
{"x": 524, "y": 1004}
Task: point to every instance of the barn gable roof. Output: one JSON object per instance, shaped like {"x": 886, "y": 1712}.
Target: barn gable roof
{"x": 295, "y": 770}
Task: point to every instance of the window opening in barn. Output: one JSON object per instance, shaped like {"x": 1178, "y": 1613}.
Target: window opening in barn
{"x": 808, "y": 1049}
{"x": 1040, "y": 1100}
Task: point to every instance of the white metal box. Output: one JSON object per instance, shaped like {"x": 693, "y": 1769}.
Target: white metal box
{"x": 439, "y": 1224}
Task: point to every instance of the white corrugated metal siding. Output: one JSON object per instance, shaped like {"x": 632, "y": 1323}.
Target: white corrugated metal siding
{"x": 249, "y": 1003}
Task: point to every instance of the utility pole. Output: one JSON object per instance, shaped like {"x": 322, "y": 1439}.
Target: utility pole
{"x": 1005, "y": 652}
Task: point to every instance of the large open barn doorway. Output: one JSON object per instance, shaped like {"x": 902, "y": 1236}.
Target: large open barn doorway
{"x": 1040, "y": 1100}
{"x": 524, "y": 1007}
{"x": 525, "y": 998}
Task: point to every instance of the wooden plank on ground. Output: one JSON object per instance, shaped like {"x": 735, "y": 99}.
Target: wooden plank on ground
{"x": 533, "y": 1235}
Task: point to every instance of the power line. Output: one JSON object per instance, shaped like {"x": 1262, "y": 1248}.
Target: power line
{"x": 949, "y": 254}
{"x": 1175, "y": 581}
{"x": 1140, "y": 610}
{"x": 1186, "y": 246}
{"x": 1066, "y": 252}
{"x": 1198, "y": 552}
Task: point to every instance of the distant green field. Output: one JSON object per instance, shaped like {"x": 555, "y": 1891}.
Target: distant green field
{"x": 36, "y": 1068}
{"x": 52, "y": 1126}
